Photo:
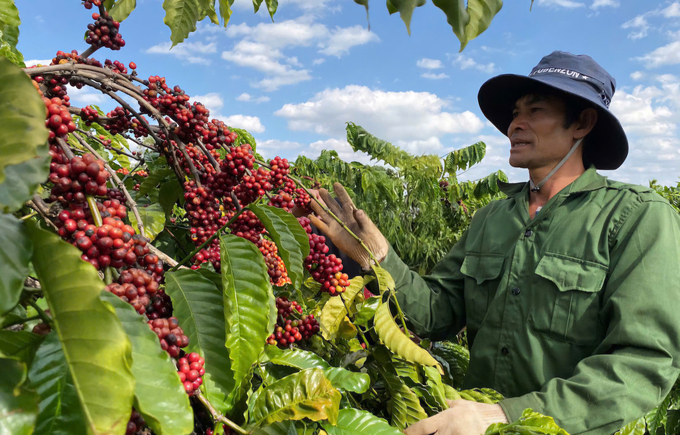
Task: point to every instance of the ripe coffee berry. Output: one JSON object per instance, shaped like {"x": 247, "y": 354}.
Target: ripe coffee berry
{"x": 190, "y": 371}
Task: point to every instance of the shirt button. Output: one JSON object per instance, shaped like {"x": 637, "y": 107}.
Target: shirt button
{"x": 515, "y": 291}
{"x": 505, "y": 351}
{"x": 528, "y": 233}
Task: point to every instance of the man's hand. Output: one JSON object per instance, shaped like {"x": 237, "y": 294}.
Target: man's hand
{"x": 462, "y": 418}
{"x": 356, "y": 220}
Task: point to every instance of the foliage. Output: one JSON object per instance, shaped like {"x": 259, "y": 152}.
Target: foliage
{"x": 416, "y": 201}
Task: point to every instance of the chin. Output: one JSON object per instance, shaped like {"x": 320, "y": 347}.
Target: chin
{"x": 517, "y": 163}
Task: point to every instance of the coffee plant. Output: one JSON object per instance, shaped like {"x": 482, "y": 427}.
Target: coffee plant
{"x": 159, "y": 276}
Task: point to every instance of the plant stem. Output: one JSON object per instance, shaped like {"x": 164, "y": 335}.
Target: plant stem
{"x": 210, "y": 239}
{"x": 28, "y": 216}
{"x": 361, "y": 332}
{"x": 45, "y": 318}
{"x": 22, "y": 321}
{"x": 39, "y": 205}
{"x": 118, "y": 182}
{"x": 393, "y": 295}
{"x": 95, "y": 211}
{"x": 217, "y": 417}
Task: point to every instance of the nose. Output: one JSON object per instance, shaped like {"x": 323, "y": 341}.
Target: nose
{"x": 518, "y": 123}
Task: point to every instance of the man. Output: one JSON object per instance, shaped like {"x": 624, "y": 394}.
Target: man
{"x": 569, "y": 286}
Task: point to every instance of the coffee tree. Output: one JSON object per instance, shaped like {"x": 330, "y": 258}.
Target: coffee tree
{"x": 154, "y": 277}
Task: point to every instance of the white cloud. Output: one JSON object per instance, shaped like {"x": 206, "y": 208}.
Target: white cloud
{"x": 340, "y": 146}
{"x": 405, "y": 116}
{"x": 432, "y": 76}
{"x": 465, "y": 62}
{"x": 560, "y": 3}
{"x": 318, "y": 61}
{"x": 637, "y": 75}
{"x": 429, "y": 63}
{"x": 604, "y": 3}
{"x": 261, "y": 47}
{"x": 86, "y": 96}
{"x": 186, "y": 51}
{"x": 672, "y": 11}
{"x": 250, "y": 123}
{"x": 344, "y": 38}
{"x": 37, "y": 62}
{"x": 666, "y": 55}
{"x": 247, "y": 97}
{"x": 640, "y": 26}
{"x": 212, "y": 101}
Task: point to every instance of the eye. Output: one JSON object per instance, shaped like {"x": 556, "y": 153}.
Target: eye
{"x": 535, "y": 109}
{"x": 514, "y": 115}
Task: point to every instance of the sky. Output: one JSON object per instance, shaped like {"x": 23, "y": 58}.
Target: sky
{"x": 295, "y": 82}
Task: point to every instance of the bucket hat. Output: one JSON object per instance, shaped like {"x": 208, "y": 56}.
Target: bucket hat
{"x": 576, "y": 75}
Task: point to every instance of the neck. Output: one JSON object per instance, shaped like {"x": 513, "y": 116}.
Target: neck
{"x": 566, "y": 175}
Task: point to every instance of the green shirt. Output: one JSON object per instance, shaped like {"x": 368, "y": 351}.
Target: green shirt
{"x": 575, "y": 313}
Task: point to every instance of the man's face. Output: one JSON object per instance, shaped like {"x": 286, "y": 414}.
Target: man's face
{"x": 537, "y": 135}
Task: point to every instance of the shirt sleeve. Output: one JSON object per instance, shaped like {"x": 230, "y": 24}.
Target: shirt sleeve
{"x": 433, "y": 304}
{"x": 637, "y": 363}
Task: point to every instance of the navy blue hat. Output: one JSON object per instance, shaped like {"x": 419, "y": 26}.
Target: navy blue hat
{"x": 579, "y": 76}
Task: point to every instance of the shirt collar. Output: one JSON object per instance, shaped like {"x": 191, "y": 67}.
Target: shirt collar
{"x": 588, "y": 181}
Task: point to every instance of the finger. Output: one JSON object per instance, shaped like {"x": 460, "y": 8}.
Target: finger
{"x": 321, "y": 225}
{"x": 331, "y": 203}
{"x": 423, "y": 427}
{"x": 343, "y": 197}
{"x": 364, "y": 221}
{"x": 320, "y": 212}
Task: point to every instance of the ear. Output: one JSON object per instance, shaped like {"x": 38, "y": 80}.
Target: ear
{"x": 586, "y": 123}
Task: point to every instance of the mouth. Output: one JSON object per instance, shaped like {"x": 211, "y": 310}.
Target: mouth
{"x": 519, "y": 143}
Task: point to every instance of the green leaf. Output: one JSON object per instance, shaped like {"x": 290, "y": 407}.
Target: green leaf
{"x": 456, "y": 15}
{"x": 225, "y": 11}
{"x": 455, "y": 360}
{"x": 153, "y": 219}
{"x": 15, "y": 314}
{"x": 489, "y": 184}
{"x": 159, "y": 394}
{"x": 481, "y": 13}
{"x": 122, "y": 9}
{"x": 23, "y": 114}
{"x": 355, "y": 422}
{"x": 171, "y": 191}
{"x": 306, "y": 394}
{"x": 256, "y": 6}
{"x": 289, "y": 236}
{"x": 385, "y": 280}
{"x": 302, "y": 359}
{"x": 271, "y": 7}
{"x": 635, "y": 427}
{"x": 397, "y": 341}
{"x": 464, "y": 158}
{"x": 405, "y": 9}
{"x": 657, "y": 417}
{"x": 59, "y": 410}
{"x": 95, "y": 346}
{"x": 22, "y": 180}
{"x": 361, "y": 140}
{"x": 20, "y": 345}
{"x": 367, "y": 311}
{"x": 15, "y": 254}
{"x": 198, "y": 306}
{"x": 403, "y": 404}
{"x": 529, "y": 423}
{"x": 242, "y": 136}
{"x": 249, "y": 303}
{"x": 9, "y": 32}
{"x": 181, "y": 16}
{"x": 18, "y": 406}
{"x": 288, "y": 427}
{"x": 333, "y": 312}
{"x": 155, "y": 178}
{"x": 436, "y": 387}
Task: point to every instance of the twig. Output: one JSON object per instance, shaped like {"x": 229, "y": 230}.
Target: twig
{"x": 192, "y": 168}
{"x": 39, "y": 205}
{"x": 235, "y": 201}
{"x": 28, "y": 216}
{"x": 96, "y": 216}
{"x": 22, "y": 321}
{"x": 111, "y": 147}
{"x": 349, "y": 316}
{"x": 132, "y": 172}
{"x": 173, "y": 237}
{"x": 210, "y": 157}
{"x": 393, "y": 295}
{"x": 164, "y": 257}
{"x": 45, "y": 318}
{"x": 217, "y": 417}
{"x": 118, "y": 182}
{"x": 64, "y": 146}
{"x": 138, "y": 142}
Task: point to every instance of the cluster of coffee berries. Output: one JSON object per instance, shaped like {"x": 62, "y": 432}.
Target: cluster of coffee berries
{"x": 283, "y": 201}
{"x": 279, "y": 171}
{"x": 160, "y": 306}
{"x": 293, "y": 330}
{"x": 115, "y": 66}
{"x": 275, "y": 266}
{"x": 104, "y": 32}
{"x": 191, "y": 370}
{"x": 118, "y": 122}
{"x": 77, "y": 177}
{"x": 89, "y": 114}
{"x": 135, "y": 424}
{"x": 59, "y": 120}
{"x": 285, "y": 308}
{"x": 169, "y": 333}
{"x": 128, "y": 293}
{"x": 325, "y": 269}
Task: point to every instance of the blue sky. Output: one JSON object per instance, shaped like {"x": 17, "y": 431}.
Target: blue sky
{"x": 295, "y": 82}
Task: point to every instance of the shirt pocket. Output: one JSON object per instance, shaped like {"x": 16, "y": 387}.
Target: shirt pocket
{"x": 482, "y": 275}
{"x": 567, "y": 298}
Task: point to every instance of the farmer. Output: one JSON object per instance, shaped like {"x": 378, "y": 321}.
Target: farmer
{"x": 569, "y": 286}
